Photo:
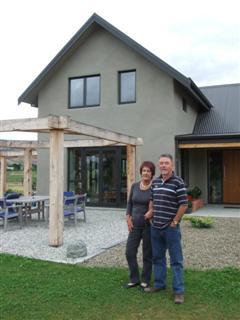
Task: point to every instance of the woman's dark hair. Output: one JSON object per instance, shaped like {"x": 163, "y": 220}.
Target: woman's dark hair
{"x": 150, "y": 165}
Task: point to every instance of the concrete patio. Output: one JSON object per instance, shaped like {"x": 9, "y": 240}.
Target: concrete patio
{"x": 224, "y": 211}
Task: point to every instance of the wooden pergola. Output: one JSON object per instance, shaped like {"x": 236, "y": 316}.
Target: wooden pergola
{"x": 27, "y": 154}
{"x": 57, "y": 127}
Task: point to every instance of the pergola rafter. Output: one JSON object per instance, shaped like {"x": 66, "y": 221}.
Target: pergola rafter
{"x": 57, "y": 127}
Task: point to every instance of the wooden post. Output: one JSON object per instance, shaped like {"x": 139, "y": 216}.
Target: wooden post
{"x": 131, "y": 164}
{"x": 3, "y": 176}
{"x": 56, "y": 188}
{"x": 27, "y": 180}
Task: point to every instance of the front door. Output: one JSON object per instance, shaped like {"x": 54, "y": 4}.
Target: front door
{"x": 224, "y": 176}
{"x": 231, "y": 176}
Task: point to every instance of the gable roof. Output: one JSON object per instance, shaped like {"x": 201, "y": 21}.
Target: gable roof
{"x": 30, "y": 95}
{"x": 224, "y": 117}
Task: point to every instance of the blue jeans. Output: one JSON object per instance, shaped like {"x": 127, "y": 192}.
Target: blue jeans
{"x": 168, "y": 238}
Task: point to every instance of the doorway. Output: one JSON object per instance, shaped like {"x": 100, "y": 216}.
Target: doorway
{"x": 231, "y": 176}
{"x": 224, "y": 176}
{"x": 101, "y": 173}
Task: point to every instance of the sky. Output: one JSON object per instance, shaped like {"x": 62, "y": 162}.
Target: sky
{"x": 201, "y": 39}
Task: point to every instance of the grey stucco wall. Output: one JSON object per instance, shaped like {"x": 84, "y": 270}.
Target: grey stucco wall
{"x": 157, "y": 116}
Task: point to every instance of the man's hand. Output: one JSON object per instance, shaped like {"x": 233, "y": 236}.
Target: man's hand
{"x": 174, "y": 224}
{"x": 129, "y": 223}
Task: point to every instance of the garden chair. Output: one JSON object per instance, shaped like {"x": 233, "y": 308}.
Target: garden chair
{"x": 10, "y": 212}
{"x": 69, "y": 208}
{"x": 74, "y": 205}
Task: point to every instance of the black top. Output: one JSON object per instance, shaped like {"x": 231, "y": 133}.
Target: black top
{"x": 137, "y": 204}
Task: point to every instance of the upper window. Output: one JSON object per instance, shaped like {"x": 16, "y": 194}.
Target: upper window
{"x": 127, "y": 86}
{"x": 84, "y": 92}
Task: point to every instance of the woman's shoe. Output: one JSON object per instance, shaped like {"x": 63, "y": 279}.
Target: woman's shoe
{"x": 130, "y": 285}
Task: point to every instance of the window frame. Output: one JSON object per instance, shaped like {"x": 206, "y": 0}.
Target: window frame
{"x": 85, "y": 105}
{"x": 119, "y": 86}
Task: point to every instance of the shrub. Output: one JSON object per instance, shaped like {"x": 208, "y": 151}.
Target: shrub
{"x": 200, "y": 222}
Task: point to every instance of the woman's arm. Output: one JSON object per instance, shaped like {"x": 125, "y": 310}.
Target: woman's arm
{"x": 129, "y": 210}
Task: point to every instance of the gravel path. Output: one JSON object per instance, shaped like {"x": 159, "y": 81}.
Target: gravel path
{"x": 102, "y": 230}
{"x": 217, "y": 247}
{"x": 105, "y": 235}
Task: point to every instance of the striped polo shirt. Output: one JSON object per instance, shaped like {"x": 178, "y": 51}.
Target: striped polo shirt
{"x": 167, "y": 197}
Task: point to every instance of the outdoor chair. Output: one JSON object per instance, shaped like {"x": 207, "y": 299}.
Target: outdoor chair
{"x": 9, "y": 212}
{"x": 68, "y": 194}
{"x": 74, "y": 205}
{"x": 12, "y": 195}
{"x": 69, "y": 208}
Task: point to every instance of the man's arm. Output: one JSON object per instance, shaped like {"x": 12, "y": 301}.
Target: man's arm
{"x": 149, "y": 214}
{"x": 181, "y": 210}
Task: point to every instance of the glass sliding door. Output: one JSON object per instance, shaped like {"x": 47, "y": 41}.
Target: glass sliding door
{"x": 101, "y": 173}
{"x": 109, "y": 177}
{"x": 75, "y": 171}
{"x": 215, "y": 168}
{"x": 92, "y": 177}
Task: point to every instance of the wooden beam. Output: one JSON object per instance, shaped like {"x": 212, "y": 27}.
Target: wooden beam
{"x": 131, "y": 166}
{"x": 35, "y": 124}
{"x": 27, "y": 178}
{"x": 3, "y": 176}
{"x": 209, "y": 145}
{"x": 15, "y": 154}
{"x": 92, "y": 131}
{"x": 89, "y": 143}
{"x": 67, "y": 143}
{"x": 56, "y": 188}
{"x": 69, "y": 126}
{"x": 22, "y": 144}
{"x": 28, "y": 124}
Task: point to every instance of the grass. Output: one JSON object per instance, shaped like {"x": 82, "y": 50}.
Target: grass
{"x": 33, "y": 289}
{"x": 15, "y": 180}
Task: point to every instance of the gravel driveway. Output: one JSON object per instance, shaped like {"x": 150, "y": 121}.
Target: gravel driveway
{"x": 217, "y": 247}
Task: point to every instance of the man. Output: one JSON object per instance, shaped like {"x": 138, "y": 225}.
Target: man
{"x": 167, "y": 206}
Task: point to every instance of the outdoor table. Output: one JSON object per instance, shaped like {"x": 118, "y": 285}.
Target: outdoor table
{"x": 27, "y": 203}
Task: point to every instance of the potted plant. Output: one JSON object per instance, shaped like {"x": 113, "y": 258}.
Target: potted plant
{"x": 194, "y": 197}
{"x": 189, "y": 208}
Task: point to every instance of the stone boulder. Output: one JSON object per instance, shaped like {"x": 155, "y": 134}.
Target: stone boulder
{"x": 76, "y": 250}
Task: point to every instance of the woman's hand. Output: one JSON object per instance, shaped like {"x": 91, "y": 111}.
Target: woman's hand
{"x": 129, "y": 223}
{"x": 148, "y": 215}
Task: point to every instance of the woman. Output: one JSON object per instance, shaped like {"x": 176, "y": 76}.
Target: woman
{"x": 139, "y": 227}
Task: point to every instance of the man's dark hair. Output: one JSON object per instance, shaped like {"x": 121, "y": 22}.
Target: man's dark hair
{"x": 166, "y": 155}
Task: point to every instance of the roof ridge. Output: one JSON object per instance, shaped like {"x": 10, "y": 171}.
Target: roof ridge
{"x": 221, "y": 85}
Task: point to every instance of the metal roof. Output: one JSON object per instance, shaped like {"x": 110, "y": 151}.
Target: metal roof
{"x": 30, "y": 95}
{"x": 224, "y": 117}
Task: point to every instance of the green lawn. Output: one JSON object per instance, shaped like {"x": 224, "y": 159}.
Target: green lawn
{"x": 33, "y": 289}
{"x": 15, "y": 180}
